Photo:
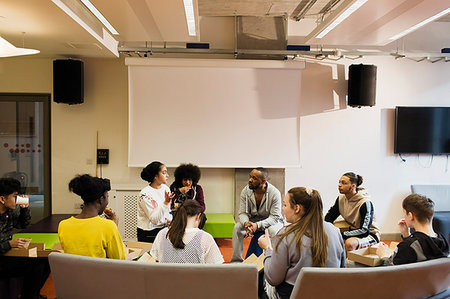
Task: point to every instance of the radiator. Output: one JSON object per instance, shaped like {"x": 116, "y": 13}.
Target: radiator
{"x": 123, "y": 200}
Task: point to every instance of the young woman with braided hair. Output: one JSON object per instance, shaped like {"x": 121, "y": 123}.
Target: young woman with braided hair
{"x": 307, "y": 241}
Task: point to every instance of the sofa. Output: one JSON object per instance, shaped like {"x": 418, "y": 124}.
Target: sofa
{"x": 428, "y": 279}
{"x": 81, "y": 277}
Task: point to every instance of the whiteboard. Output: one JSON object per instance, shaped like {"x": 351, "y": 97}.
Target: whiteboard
{"x": 213, "y": 116}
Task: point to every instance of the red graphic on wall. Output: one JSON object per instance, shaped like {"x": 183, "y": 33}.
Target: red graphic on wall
{"x": 20, "y": 149}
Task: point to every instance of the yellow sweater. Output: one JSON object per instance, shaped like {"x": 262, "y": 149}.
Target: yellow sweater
{"x": 97, "y": 237}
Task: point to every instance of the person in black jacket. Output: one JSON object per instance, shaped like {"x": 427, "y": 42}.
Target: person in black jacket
{"x": 424, "y": 243}
{"x": 35, "y": 271}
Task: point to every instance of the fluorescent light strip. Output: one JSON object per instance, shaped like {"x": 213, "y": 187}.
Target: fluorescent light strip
{"x": 342, "y": 17}
{"x": 99, "y": 16}
{"x": 190, "y": 17}
{"x": 430, "y": 19}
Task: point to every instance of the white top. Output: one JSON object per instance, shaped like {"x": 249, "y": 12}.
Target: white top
{"x": 200, "y": 248}
{"x": 152, "y": 212}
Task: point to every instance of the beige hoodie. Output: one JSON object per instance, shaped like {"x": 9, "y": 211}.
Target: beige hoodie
{"x": 349, "y": 209}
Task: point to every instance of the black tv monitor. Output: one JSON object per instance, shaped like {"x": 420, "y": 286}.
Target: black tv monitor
{"x": 422, "y": 130}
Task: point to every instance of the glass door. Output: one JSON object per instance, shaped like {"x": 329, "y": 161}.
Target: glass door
{"x": 25, "y": 147}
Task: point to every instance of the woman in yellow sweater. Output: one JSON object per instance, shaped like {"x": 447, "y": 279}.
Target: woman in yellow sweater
{"x": 88, "y": 234}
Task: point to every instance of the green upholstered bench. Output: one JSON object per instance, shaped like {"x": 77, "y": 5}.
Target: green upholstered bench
{"x": 48, "y": 238}
{"x": 219, "y": 225}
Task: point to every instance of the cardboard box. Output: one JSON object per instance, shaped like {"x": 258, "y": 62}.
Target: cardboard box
{"x": 136, "y": 249}
{"x": 146, "y": 258}
{"x": 22, "y": 252}
{"x": 132, "y": 253}
{"x": 367, "y": 256}
{"x": 33, "y": 250}
{"x": 257, "y": 260}
{"x": 342, "y": 225}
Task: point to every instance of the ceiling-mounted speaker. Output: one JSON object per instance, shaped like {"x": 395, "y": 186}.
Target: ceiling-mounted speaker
{"x": 68, "y": 81}
{"x": 362, "y": 82}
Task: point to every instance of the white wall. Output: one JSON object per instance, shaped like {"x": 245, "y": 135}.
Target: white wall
{"x": 334, "y": 139}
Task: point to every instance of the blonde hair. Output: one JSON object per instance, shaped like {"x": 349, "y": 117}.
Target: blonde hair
{"x": 310, "y": 224}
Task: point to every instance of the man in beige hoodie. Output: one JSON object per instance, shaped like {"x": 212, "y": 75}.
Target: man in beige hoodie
{"x": 354, "y": 205}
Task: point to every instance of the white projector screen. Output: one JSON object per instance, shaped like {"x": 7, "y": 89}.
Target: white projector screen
{"x": 213, "y": 115}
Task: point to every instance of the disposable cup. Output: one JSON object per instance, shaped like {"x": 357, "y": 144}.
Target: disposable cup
{"x": 22, "y": 200}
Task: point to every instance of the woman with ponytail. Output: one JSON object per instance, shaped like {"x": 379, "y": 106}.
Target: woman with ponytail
{"x": 354, "y": 205}
{"x": 307, "y": 241}
{"x": 183, "y": 241}
{"x": 87, "y": 233}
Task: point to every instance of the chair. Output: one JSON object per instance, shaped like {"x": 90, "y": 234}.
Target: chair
{"x": 440, "y": 194}
{"x": 416, "y": 280}
{"x": 81, "y": 277}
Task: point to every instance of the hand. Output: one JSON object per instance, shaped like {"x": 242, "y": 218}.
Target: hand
{"x": 168, "y": 221}
{"x": 404, "y": 229}
{"x": 383, "y": 250}
{"x": 169, "y": 197}
{"x": 109, "y": 214}
{"x": 19, "y": 243}
{"x": 264, "y": 241}
{"x": 249, "y": 228}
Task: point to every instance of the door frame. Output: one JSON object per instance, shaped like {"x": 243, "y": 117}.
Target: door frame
{"x": 46, "y": 99}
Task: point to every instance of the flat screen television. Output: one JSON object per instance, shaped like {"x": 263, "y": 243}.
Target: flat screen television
{"x": 422, "y": 130}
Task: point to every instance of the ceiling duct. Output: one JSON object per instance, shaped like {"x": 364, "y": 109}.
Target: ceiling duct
{"x": 261, "y": 33}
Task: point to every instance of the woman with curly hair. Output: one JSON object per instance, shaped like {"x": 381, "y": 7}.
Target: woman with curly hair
{"x": 186, "y": 186}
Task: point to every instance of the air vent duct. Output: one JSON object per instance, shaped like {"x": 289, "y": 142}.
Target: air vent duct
{"x": 261, "y": 33}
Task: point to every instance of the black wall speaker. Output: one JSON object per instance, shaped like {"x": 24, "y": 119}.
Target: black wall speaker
{"x": 362, "y": 82}
{"x": 68, "y": 81}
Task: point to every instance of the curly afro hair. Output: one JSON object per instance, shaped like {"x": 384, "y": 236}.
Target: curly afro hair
{"x": 187, "y": 171}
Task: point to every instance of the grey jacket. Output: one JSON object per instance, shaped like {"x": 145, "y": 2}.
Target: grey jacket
{"x": 269, "y": 212}
{"x": 285, "y": 263}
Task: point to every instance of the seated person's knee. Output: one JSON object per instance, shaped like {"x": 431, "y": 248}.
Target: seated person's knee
{"x": 351, "y": 244}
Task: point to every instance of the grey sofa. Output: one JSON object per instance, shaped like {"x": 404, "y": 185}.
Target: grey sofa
{"x": 429, "y": 279}
{"x": 79, "y": 277}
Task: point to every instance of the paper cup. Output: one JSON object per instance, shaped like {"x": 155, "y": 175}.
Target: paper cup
{"x": 22, "y": 200}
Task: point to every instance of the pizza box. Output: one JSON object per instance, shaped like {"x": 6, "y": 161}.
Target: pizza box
{"x": 257, "y": 260}
{"x": 367, "y": 256}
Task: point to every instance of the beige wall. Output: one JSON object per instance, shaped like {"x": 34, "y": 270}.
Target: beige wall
{"x": 104, "y": 111}
{"x": 333, "y": 138}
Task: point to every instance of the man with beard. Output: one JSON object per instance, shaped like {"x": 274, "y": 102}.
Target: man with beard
{"x": 259, "y": 209}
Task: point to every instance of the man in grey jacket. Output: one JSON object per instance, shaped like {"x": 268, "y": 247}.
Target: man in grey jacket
{"x": 259, "y": 208}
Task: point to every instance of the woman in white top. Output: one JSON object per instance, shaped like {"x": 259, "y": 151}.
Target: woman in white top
{"x": 153, "y": 203}
{"x": 183, "y": 241}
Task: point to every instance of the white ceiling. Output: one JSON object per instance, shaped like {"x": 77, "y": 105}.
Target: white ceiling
{"x": 50, "y": 30}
